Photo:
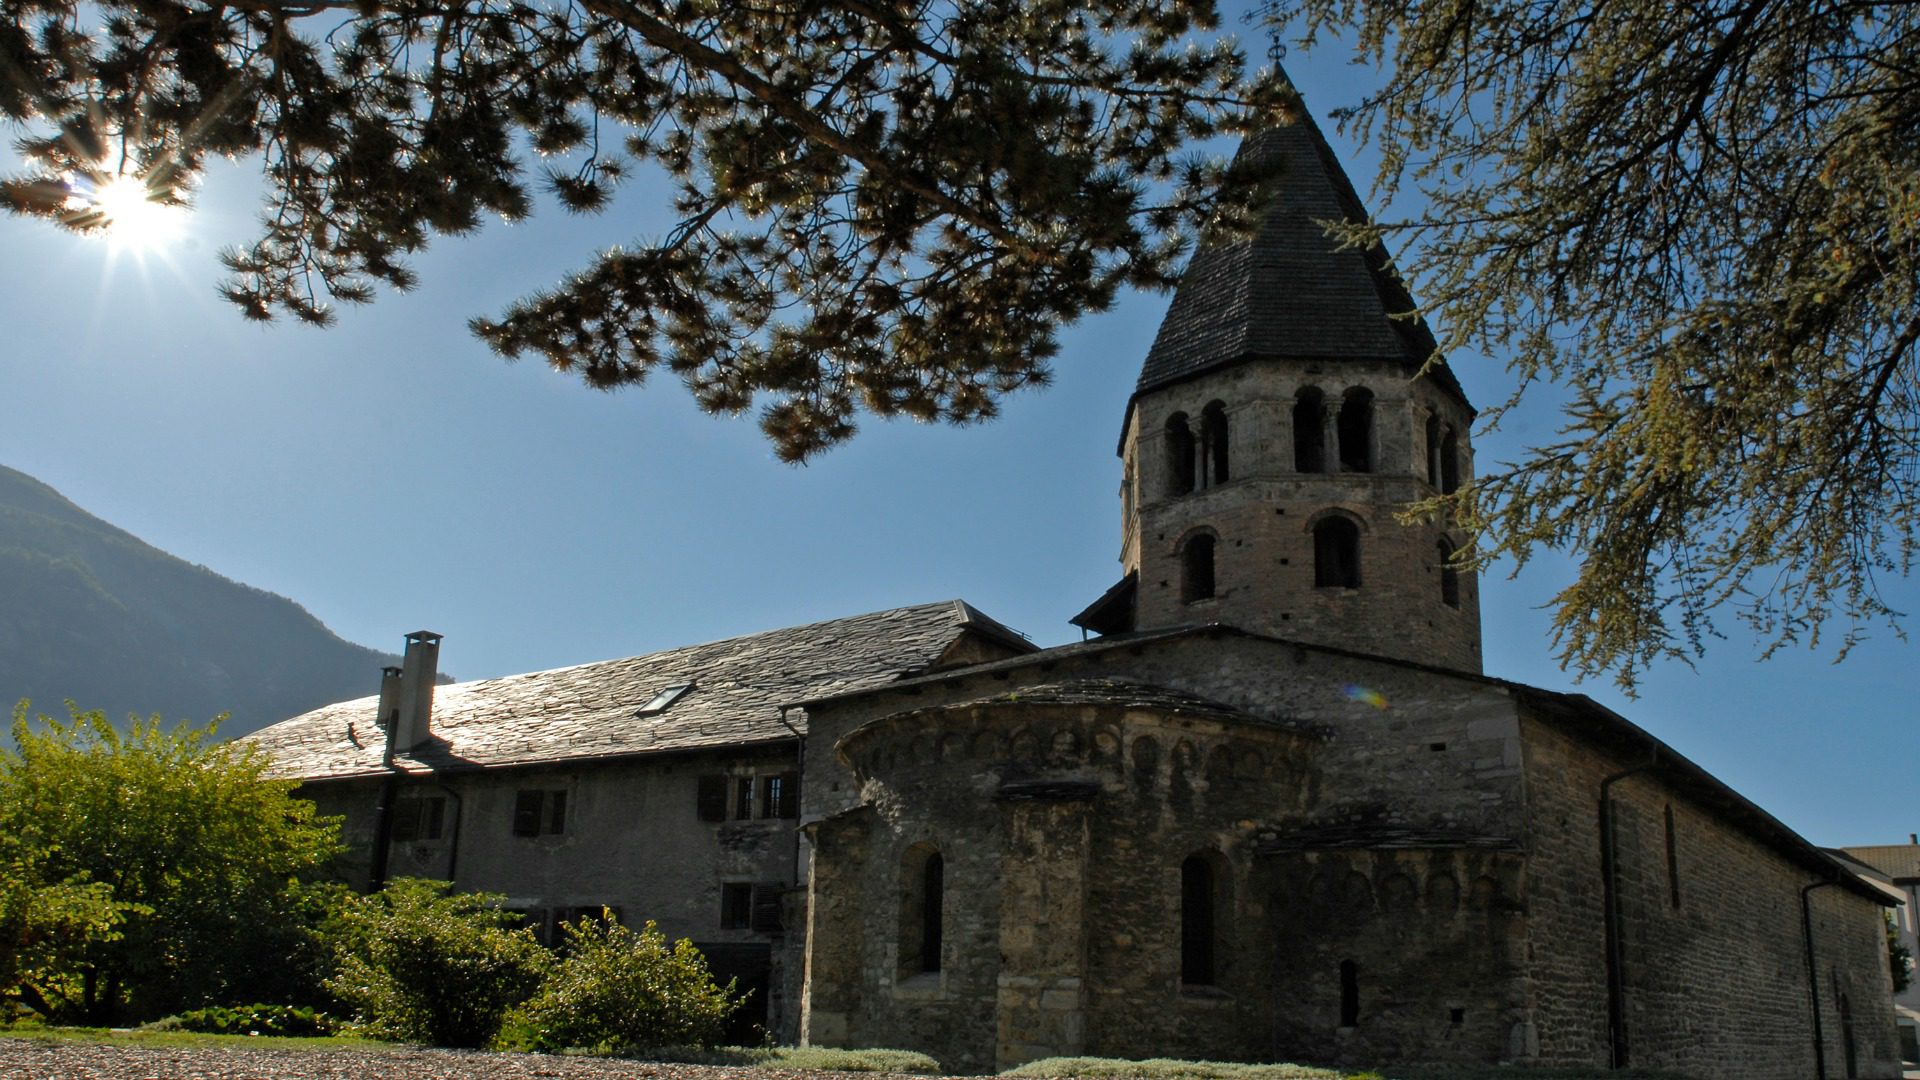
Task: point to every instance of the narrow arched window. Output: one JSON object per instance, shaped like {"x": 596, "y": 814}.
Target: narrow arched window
{"x": 1310, "y": 431}
{"x": 1349, "y": 993}
{"x": 1179, "y": 455}
{"x": 1449, "y": 576}
{"x": 1449, "y": 462}
{"x": 1197, "y": 899}
{"x": 1196, "y": 569}
{"x": 1336, "y": 554}
{"x": 923, "y": 890}
{"x": 934, "y": 890}
{"x": 1213, "y": 445}
{"x": 1433, "y": 450}
{"x": 1355, "y": 429}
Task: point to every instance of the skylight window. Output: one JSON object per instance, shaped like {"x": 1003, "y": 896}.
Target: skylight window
{"x": 664, "y": 698}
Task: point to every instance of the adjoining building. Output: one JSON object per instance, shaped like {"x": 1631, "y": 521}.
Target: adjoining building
{"x": 1272, "y": 811}
{"x": 1896, "y": 869}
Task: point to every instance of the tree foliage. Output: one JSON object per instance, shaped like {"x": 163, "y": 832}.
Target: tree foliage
{"x": 421, "y": 964}
{"x": 153, "y": 870}
{"x": 884, "y": 205}
{"x": 617, "y": 990}
{"x": 1702, "y": 222}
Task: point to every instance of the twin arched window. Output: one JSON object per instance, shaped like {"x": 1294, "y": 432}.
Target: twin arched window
{"x": 1195, "y": 465}
{"x": 1443, "y": 456}
{"x": 1352, "y": 431}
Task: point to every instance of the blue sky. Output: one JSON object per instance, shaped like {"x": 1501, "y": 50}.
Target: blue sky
{"x": 392, "y": 475}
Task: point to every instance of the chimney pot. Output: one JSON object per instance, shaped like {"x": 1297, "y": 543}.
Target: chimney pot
{"x": 419, "y": 671}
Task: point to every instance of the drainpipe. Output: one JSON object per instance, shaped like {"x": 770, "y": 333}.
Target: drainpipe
{"x": 453, "y": 842}
{"x": 390, "y": 784}
{"x": 800, "y": 768}
{"x": 1617, "y": 1050}
{"x": 1813, "y": 979}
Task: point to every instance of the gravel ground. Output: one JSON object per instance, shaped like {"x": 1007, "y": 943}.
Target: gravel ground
{"x": 29, "y": 1059}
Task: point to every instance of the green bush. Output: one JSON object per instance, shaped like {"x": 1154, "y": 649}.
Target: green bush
{"x": 617, "y": 990}
{"x": 290, "y": 1020}
{"x": 418, "y": 964}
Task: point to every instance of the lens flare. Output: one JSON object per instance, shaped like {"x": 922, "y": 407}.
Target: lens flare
{"x": 127, "y": 213}
{"x": 1366, "y": 696}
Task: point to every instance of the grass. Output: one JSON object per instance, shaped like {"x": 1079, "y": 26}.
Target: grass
{"x": 873, "y": 1061}
{"x": 138, "y": 1037}
{"x": 800, "y": 1057}
{"x": 1167, "y": 1069}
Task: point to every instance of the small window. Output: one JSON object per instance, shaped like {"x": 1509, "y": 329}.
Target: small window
{"x": 923, "y": 899}
{"x": 1310, "y": 432}
{"x": 1449, "y": 576}
{"x": 712, "y": 798}
{"x": 1196, "y": 569}
{"x": 1197, "y": 901}
{"x": 1179, "y": 455}
{"x": 736, "y": 906}
{"x": 1449, "y": 462}
{"x": 666, "y": 697}
{"x": 780, "y": 796}
{"x": 419, "y": 819}
{"x": 539, "y": 812}
{"x": 743, "y": 798}
{"x": 1673, "y": 862}
{"x": 1349, "y": 994}
{"x": 1356, "y": 431}
{"x": 1336, "y": 554}
{"x": 1433, "y": 450}
{"x": 1213, "y": 445}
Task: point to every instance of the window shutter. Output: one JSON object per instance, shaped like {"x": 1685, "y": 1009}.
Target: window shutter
{"x": 713, "y": 798}
{"x": 526, "y": 813}
{"x": 766, "y": 909}
{"x": 556, "y": 812}
{"x": 406, "y": 821}
{"x": 789, "y": 795}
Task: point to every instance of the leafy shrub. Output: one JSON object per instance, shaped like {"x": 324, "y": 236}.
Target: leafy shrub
{"x": 418, "y": 964}
{"x": 617, "y": 990}
{"x": 291, "y": 1020}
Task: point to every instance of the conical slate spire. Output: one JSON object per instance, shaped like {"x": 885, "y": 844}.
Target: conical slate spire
{"x": 1288, "y": 292}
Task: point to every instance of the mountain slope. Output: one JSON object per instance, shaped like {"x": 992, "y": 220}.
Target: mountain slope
{"x": 92, "y": 613}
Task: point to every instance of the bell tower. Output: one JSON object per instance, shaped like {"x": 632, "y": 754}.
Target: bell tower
{"x": 1280, "y": 424}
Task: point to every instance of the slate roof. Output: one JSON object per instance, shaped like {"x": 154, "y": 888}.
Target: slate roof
{"x": 588, "y": 711}
{"x": 1901, "y": 862}
{"x": 1288, "y": 292}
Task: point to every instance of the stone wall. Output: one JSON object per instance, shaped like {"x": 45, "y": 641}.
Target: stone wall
{"x": 1403, "y": 745}
{"x": 1063, "y": 830}
{"x": 1432, "y": 942}
{"x": 1713, "y": 947}
{"x": 1263, "y": 516}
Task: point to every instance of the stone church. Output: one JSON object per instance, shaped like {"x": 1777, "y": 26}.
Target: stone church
{"x": 1270, "y": 810}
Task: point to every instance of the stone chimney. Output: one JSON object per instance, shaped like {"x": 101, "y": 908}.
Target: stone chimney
{"x": 389, "y": 703}
{"x": 409, "y": 702}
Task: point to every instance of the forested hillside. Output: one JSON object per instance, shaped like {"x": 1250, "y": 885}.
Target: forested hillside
{"x": 92, "y": 613}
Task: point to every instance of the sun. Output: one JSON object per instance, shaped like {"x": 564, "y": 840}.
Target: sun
{"x": 128, "y": 215}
